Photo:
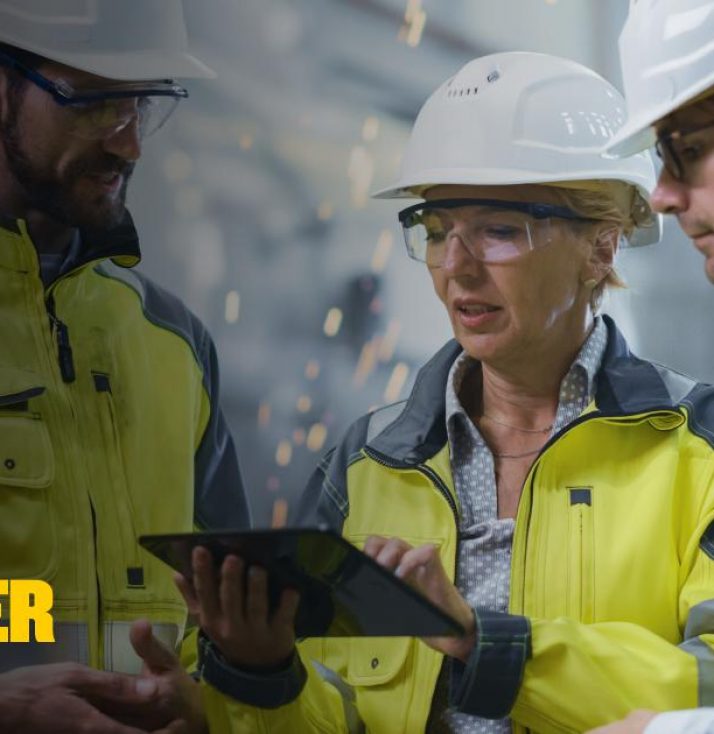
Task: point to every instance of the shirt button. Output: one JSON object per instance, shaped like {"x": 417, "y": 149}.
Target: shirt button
{"x": 375, "y": 663}
{"x": 10, "y": 464}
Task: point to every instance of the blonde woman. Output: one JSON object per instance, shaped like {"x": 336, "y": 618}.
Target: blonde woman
{"x": 542, "y": 484}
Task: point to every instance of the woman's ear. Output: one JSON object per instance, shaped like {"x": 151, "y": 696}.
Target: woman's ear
{"x": 603, "y": 248}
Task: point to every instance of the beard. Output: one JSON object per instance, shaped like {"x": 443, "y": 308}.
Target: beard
{"x": 58, "y": 195}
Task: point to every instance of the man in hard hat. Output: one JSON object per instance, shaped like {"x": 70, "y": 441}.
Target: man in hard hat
{"x": 667, "y": 57}
{"x": 109, "y": 419}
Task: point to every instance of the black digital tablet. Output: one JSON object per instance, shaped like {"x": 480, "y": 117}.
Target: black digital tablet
{"x": 343, "y": 592}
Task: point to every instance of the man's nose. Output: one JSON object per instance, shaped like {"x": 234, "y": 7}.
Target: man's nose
{"x": 670, "y": 196}
{"x": 126, "y": 142}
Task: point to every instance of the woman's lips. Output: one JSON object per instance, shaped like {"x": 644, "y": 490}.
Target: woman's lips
{"x": 475, "y": 315}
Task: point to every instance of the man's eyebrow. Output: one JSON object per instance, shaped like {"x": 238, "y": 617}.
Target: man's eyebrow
{"x": 667, "y": 126}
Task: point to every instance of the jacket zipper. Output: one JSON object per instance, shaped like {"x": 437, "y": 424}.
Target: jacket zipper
{"x": 534, "y": 468}
{"x": 65, "y": 357}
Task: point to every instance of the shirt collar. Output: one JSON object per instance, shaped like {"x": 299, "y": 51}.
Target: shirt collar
{"x": 587, "y": 361}
{"x": 589, "y": 358}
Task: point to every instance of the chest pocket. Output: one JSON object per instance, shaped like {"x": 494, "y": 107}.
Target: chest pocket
{"x": 27, "y": 470}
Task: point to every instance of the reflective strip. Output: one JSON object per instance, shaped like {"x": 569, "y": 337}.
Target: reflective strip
{"x": 701, "y": 622}
{"x": 71, "y": 645}
{"x": 705, "y": 663}
{"x": 355, "y": 725}
{"x": 119, "y": 655}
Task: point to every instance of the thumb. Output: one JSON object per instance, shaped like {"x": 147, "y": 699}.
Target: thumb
{"x": 156, "y": 656}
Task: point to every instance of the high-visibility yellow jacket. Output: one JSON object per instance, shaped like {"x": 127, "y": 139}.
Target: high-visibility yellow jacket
{"x": 612, "y": 584}
{"x": 109, "y": 428}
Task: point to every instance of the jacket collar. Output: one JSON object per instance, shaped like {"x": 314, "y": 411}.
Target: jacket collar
{"x": 120, "y": 243}
{"x": 624, "y": 385}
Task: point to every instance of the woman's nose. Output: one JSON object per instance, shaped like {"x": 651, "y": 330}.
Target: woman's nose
{"x": 457, "y": 254}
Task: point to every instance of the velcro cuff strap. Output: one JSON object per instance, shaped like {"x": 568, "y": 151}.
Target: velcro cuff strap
{"x": 255, "y": 688}
{"x": 488, "y": 684}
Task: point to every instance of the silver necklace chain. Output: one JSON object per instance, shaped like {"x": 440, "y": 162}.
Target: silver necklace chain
{"x": 547, "y": 429}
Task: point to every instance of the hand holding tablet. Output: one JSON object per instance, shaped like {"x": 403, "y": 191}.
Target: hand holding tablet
{"x": 342, "y": 592}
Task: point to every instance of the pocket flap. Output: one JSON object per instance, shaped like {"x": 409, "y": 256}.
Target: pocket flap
{"x": 26, "y": 458}
{"x": 376, "y": 660}
{"x": 18, "y": 386}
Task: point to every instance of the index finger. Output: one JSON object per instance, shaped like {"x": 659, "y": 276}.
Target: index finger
{"x": 374, "y": 544}
{"x": 421, "y": 557}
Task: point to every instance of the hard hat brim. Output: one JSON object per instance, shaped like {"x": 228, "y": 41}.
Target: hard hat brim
{"x": 146, "y": 66}
{"x": 409, "y": 187}
{"x": 638, "y": 133}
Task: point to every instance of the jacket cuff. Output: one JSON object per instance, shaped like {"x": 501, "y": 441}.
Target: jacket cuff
{"x": 263, "y": 689}
{"x": 488, "y": 684}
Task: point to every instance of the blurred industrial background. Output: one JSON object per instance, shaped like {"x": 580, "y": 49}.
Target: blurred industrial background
{"x": 253, "y": 205}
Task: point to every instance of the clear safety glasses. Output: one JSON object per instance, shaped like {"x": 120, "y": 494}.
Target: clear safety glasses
{"x": 98, "y": 114}
{"x": 492, "y": 230}
{"x": 682, "y": 150}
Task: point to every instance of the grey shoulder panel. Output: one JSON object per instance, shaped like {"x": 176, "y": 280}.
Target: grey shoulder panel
{"x": 220, "y": 500}
{"x": 325, "y": 500}
{"x": 700, "y": 405}
{"x": 677, "y": 384}
{"x": 162, "y": 308}
{"x": 382, "y": 418}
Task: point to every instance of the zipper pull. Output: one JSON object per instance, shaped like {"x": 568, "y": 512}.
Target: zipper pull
{"x": 64, "y": 346}
{"x": 66, "y": 361}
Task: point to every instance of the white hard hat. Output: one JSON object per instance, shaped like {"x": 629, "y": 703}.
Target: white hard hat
{"x": 136, "y": 40}
{"x": 667, "y": 57}
{"x": 523, "y": 118}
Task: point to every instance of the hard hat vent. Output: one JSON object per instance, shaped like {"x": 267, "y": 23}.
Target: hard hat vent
{"x": 470, "y": 87}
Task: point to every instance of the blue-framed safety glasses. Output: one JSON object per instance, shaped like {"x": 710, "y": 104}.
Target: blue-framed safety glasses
{"x": 97, "y": 114}
{"x": 492, "y": 230}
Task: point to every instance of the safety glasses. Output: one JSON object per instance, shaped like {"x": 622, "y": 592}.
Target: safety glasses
{"x": 681, "y": 150}
{"x": 492, "y": 230}
{"x": 97, "y": 114}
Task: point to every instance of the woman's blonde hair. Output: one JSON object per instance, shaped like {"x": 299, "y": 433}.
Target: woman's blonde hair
{"x": 613, "y": 202}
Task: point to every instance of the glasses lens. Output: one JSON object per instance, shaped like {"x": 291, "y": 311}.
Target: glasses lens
{"x": 489, "y": 235}
{"x": 667, "y": 153}
{"x": 106, "y": 117}
{"x": 154, "y": 112}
